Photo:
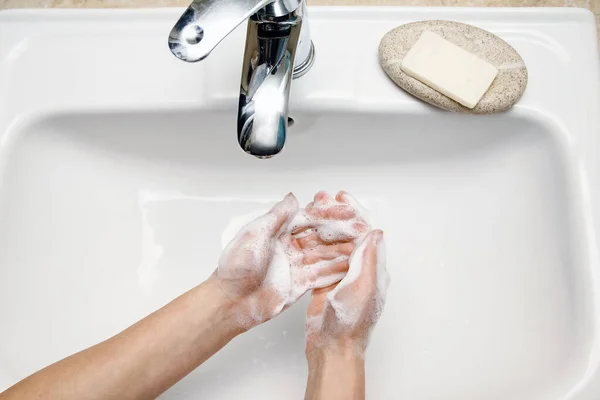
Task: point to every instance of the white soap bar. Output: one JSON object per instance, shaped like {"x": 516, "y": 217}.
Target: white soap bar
{"x": 449, "y": 69}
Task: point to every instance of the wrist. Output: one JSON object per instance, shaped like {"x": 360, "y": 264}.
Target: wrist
{"x": 243, "y": 312}
{"x": 327, "y": 368}
{"x": 333, "y": 356}
{"x": 224, "y": 308}
{"x": 320, "y": 346}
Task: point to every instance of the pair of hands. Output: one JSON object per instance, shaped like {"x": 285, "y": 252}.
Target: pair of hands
{"x": 328, "y": 248}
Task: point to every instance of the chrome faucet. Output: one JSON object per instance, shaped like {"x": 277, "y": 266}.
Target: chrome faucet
{"x": 278, "y": 47}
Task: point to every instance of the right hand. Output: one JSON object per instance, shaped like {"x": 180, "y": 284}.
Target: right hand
{"x": 340, "y": 317}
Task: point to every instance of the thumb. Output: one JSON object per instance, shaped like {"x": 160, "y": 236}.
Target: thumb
{"x": 284, "y": 212}
{"x": 367, "y": 273}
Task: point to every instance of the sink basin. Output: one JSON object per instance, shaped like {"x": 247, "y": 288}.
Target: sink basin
{"x": 120, "y": 174}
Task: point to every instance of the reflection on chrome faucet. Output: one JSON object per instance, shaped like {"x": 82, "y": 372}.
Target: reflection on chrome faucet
{"x": 277, "y": 36}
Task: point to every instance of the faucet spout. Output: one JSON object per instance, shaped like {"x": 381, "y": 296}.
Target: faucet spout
{"x": 275, "y": 37}
{"x": 266, "y": 78}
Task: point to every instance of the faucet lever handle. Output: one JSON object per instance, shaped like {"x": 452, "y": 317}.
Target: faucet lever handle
{"x": 205, "y": 24}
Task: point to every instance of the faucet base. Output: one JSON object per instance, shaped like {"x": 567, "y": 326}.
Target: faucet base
{"x": 300, "y": 70}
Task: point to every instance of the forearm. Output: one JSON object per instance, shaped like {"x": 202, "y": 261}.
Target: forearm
{"x": 338, "y": 375}
{"x": 144, "y": 360}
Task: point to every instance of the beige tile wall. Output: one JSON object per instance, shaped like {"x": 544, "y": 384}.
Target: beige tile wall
{"x": 589, "y": 4}
{"x": 593, "y": 5}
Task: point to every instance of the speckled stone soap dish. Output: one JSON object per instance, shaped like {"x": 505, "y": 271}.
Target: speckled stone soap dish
{"x": 506, "y": 89}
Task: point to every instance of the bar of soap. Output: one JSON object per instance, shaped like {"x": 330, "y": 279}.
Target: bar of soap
{"x": 506, "y": 89}
{"x": 449, "y": 69}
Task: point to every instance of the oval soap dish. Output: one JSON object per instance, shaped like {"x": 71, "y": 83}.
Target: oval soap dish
{"x": 506, "y": 89}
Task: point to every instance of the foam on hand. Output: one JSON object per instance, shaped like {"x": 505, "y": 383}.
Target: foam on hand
{"x": 256, "y": 251}
{"x": 349, "y": 310}
{"x": 352, "y": 227}
{"x": 362, "y": 212}
{"x": 248, "y": 250}
{"x": 237, "y": 223}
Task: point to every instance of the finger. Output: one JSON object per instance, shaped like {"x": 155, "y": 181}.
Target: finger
{"x": 326, "y": 273}
{"x": 317, "y": 216}
{"x": 374, "y": 262}
{"x": 346, "y": 198}
{"x": 284, "y": 212}
{"x": 337, "y": 212}
{"x": 323, "y": 290}
{"x": 330, "y": 232}
{"x": 300, "y": 223}
{"x": 341, "y": 231}
{"x": 315, "y": 308}
{"x": 341, "y": 196}
{"x": 305, "y": 233}
{"x": 320, "y": 274}
{"x": 310, "y": 241}
{"x": 328, "y": 252}
{"x": 356, "y": 278}
{"x": 323, "y": 198}
{"x": 293, "y": 239}
{"x": 383, "y": 276}
{"x": 369, "y": 259}
{"x": 373, "y": 281}
{"x": 309, "y": 206}
{"x": 367, "y": 273}
{"x": 313, "y": 239}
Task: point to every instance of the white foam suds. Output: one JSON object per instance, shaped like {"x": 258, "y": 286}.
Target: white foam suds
{"x": 237, "y": 223}
{"x": 249, "y": 250}
{"x": 255, "y": 252}
{"x": 331, "y": 230}
{"x": 361, "y": 211}
{"x": 350, "y": 309}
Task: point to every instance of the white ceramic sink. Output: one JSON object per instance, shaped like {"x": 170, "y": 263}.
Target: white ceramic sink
{"x": 120, "y": 173}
